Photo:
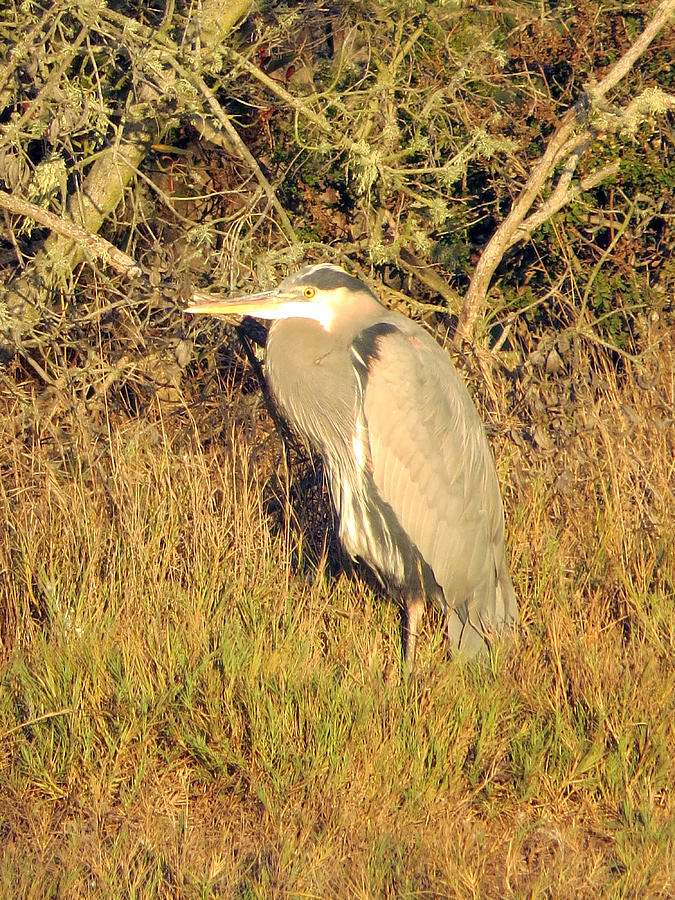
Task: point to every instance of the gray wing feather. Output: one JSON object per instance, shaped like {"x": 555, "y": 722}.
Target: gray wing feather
{"x": 432, "y": 464}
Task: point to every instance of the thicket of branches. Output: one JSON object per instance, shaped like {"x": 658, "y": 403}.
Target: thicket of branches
{"x": 511, "y": 167}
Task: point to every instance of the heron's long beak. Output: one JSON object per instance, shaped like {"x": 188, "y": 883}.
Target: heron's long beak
{"x": 265, "y": 305}
{"x": 274, "y": 304}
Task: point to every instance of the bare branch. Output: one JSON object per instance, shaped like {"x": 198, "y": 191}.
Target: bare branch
{"x": 89, "y": 242}
{"x": 562, "y": 196}
{"x": 664, "y": 13}
{"x": 410, "y": 263}
{"x": 563, "y": 143}
{"x": 275, "y": 87}
{"x": 240, "y": 147}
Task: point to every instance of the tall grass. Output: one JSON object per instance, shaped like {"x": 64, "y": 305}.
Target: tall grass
{"x": 190, "y": 707}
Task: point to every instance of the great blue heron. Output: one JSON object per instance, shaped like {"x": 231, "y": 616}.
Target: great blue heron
{"x": 410, "y": 471}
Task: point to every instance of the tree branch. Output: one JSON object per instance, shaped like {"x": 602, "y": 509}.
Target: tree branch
{"x": 296, "y": 103}
{"x": 562, "y": 196}
{"x": 240, "y": 148}
{"x": 66, "y": 228}
{"x": 563, "y": 143}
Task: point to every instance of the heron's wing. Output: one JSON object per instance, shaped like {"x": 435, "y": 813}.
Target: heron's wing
{"x": 432, "y": 464}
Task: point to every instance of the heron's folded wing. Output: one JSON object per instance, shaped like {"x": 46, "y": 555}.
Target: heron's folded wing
{"x": 431, "y": 461}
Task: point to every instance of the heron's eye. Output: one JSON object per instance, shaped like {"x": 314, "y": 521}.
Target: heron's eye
{"x": 309, "y": 292}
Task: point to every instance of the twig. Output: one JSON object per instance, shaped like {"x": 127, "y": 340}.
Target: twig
{"x": 596, "y": 268}
{"x": 94, "y": 243}
{"x": 20, "y": 53}
{"x": 57, "y": 72}
{"x": 294, "y": 102}
{"x": 239, "y": 145}
{"x": 620, "y": 69}
{"x": 562, "y": 196}
{"x": 27, "y": 724}
{"x": 426, "y": 274}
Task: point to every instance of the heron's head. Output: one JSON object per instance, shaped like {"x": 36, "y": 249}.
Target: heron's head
{"x": 323, "y": 293}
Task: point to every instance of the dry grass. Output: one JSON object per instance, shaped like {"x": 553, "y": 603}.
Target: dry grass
{"x": 184, "y": 714}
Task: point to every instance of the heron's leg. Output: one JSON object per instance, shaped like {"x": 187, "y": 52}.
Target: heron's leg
{"x": 414, "y": 614}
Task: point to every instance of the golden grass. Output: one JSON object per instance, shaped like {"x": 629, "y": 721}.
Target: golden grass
{"x": 189, "y": 709}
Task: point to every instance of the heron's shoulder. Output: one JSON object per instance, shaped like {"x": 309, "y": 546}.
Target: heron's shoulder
{"x": 398, "y": 343}
{"x": 366, "y": 346}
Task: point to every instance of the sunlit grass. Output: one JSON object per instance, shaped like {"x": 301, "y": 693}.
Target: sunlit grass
{"x": 187, "y": 712}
